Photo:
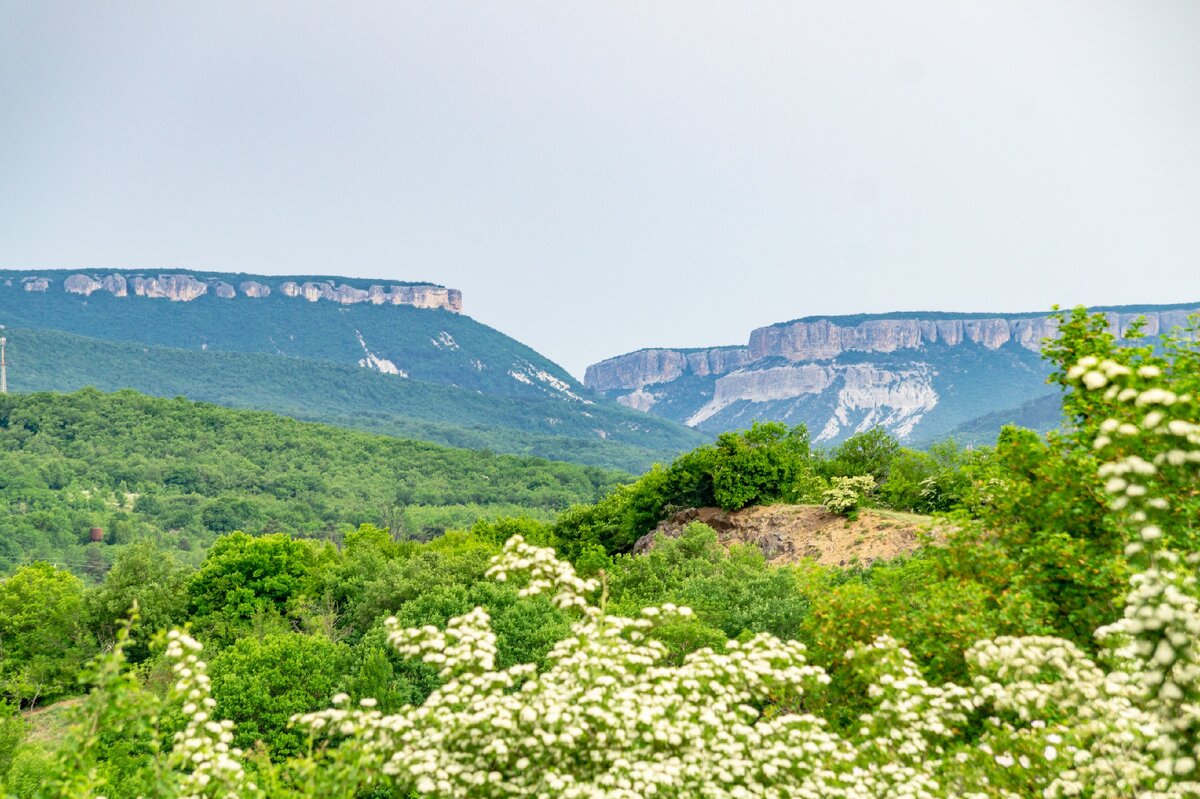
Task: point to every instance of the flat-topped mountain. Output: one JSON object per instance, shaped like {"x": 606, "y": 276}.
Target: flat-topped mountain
{"x": 920, "y": 375}
{"x": 390, "y": 356}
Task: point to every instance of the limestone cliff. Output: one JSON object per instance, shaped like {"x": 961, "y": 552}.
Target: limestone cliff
{"x": 185, "y": 288}
{"x": 841, "y": 375}
{"x": 825, "y": 339}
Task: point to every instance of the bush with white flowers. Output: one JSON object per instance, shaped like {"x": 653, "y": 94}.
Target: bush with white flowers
{"x": 845, "y": 494}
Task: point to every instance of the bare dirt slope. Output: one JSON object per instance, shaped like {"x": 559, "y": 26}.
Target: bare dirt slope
{"x": 789, "y": 533}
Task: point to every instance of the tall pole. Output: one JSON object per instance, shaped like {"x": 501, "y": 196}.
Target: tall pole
{"x": 3, "y": 367}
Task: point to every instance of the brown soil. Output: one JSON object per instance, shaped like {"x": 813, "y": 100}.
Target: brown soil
{"x": 790, "y": 533}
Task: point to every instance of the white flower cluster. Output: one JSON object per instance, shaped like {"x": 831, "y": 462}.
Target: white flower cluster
{"x": 546, "y": 573}
{"x": 467, "y": 646}
{"x": 202, "y": 749}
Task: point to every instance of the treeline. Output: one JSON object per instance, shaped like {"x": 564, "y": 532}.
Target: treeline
{"x": 181, "y": 473}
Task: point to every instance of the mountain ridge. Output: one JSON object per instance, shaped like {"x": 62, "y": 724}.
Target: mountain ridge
{"x": 910, "y": 373}
{"x": 426, "y": 372}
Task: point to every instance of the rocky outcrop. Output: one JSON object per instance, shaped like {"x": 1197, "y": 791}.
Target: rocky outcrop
{"x": 177, "y": 288}
{"x": 647, "y": 367}
{"x": 840, "y": 376}
{"x": 862, "y": 395}
{"x": 185, "y": 288}
{"x": 81, "y": 284}
{"x": 85, "y": 284}
{"x": 790, "y": 533}
{"x": 35, "y": 283}
{"x": 252, "y": 288}
{"x": 824, "y": 340}
{"x": 416, "y": 296}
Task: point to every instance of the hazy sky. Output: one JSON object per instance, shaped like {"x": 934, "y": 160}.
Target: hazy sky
{"x": 599, "y": 177}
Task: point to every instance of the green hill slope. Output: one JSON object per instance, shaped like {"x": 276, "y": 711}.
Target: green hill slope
{"x": 601, "y": 434}
{"x": 425, "y": 373}
{"x": 184, "y": 472}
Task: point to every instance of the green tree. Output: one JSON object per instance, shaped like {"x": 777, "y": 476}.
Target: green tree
{"x": 261, "y": 684}
{"x": 761, "y": 465}
{"x": 244, "y": 576}
{"x": 871, "y": 452}
{"x": 155, "y": 580}
{"x": 42, "y": 642}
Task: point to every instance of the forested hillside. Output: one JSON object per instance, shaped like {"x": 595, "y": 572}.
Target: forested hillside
{"x": 181, "y": 473}
{"x": 426, "y": 373}
{"x": 349, "y": 396}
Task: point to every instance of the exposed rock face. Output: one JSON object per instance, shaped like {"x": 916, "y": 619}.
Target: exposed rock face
{"x": 116, "y": 284}
{"x": 417, "y": 296}
{"x": 646, "y": 367}
{"x": 824, "y": 340}
{"x": 863, "y": 395}
{"x": 36, "y": 283}
{"x": 86, "y": 285}
{"x": 790, "y": 533}
{"x": 254, "y": 289}
{"x": 841, "y": 377}
{"x": 81, "y": 284}
{"x": 177, "y": 288}
{"x": 184, "y": 288}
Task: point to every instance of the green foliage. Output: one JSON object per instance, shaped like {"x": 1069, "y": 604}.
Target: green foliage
{"x": 1033, "y": 544}
{"x": 302, "y": 359}
{"x": 930, "y": 481}
{"x": 732, "y": 591}
{"x": 42, "y": 641}
{"x": 244, "y": 578}
{"x": 182, "y": 473}
{"x": 149, "y": 576}
{"x": 12, "y": 732}
{"x": 761, "y": 465}
{"x": 871, "y": 453}
{"x": 261, "y": 684}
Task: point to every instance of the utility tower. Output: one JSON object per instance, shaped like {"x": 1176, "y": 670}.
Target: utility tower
{"x": 3, "y": 367}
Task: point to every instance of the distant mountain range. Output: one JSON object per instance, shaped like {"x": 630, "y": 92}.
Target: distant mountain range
{"x": 394, "y": 357}
{"x": 922, "y": 376}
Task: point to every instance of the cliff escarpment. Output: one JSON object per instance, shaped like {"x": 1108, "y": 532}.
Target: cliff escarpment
{"x": 918, "y": 375}
{"x": 181, "y": 287}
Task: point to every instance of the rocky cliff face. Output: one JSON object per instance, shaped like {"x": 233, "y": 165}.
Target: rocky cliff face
{"x": 186, "y": 288}
{"x": 824, "y": 339}
{"x": 418, "y": 296}
{"x": 840, "y": 377}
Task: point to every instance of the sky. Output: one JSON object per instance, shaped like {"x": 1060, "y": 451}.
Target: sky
{"x": 598, "y": 177}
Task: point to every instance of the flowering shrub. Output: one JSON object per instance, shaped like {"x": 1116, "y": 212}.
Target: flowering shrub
{"x": 845, "y": 494}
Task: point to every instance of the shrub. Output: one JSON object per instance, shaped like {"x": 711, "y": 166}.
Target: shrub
{"x": 846, "y": 494}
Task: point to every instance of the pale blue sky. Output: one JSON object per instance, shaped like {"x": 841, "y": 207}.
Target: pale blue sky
{"x": 602, "y": 176}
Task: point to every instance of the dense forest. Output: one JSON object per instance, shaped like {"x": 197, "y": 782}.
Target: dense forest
{"x": 537, "y": 656}
{"x": 181, "y": 473}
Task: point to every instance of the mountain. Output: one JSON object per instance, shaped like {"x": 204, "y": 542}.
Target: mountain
{"x": 393, "y": 357}
{"x": 922, "y": 376}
